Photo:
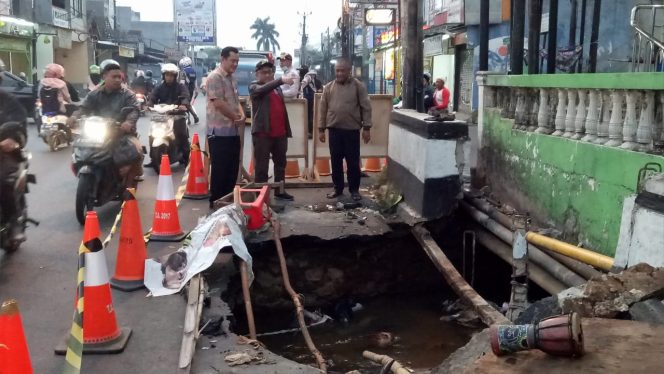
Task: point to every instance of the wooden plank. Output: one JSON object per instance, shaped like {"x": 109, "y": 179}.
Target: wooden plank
{"x": 486, "y": 312}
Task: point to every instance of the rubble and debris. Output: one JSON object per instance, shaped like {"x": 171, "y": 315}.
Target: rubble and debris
{"x": 246, "y": 357}
{"x": 612, "y": 294}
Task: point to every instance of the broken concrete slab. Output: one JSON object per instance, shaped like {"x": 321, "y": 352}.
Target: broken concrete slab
{"x": 612, "y": 294}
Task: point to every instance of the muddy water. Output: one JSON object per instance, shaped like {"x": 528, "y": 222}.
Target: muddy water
{"x": 423, "y": 340}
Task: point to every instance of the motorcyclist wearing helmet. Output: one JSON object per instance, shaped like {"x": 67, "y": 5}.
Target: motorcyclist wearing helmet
{"x": 138, "y": 84}
{"x": 94, "y": 80}
{"x": 149, "y": 81}
{"x": 13, "y": 137}
{"x": 170, "y": 91}
{"x": 108, "y": 101}
{"x": 189, "y": 78}
{"x": 53, "y": 91}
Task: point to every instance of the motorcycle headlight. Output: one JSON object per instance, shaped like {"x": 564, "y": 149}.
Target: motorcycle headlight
{"x": 95, "y": 130}
{"x": 158, "y": 132}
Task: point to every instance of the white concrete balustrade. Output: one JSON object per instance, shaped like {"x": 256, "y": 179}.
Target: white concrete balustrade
{"x": 629, "y": 119}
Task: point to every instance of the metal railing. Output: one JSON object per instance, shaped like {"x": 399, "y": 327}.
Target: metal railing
{"x": 647, "y": 50}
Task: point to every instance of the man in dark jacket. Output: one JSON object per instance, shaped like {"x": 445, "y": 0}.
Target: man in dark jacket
{"x": 170, "y": 91}
{"x": 270, "y": 128}
{"x": 13, "y": 137}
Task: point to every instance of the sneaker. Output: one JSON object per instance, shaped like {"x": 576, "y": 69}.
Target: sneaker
{"x": 284, "y": 196}
{"x": 356, "y": 196}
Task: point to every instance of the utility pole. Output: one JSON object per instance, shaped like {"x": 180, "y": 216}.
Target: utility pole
{"x": 305, "y": 38}
{"x": 484, "y": 35}
{"x": 412, "y": 55}
{"x": 345, "y": 29}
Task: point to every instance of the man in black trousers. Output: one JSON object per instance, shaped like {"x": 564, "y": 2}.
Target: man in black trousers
{"x": 270, "y": 128}
{"x": 224, "y": 115}
{"x": 345, "y": 109}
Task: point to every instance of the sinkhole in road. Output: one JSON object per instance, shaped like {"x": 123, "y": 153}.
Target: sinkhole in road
{"x": 382, "y": 293}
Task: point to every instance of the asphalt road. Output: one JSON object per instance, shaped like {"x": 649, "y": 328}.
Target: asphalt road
{"x": 42, "y": 274}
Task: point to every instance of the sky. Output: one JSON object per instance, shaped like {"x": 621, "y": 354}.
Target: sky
{"x": 235, "y": 16}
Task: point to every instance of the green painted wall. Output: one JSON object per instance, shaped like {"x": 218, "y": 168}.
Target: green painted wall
{"x": 576, "y": 186}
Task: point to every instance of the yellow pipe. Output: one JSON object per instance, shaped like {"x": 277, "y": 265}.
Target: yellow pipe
{"x": 589, "y": 257}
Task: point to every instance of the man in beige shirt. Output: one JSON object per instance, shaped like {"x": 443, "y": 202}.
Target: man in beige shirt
{"x": 345, "y": 109}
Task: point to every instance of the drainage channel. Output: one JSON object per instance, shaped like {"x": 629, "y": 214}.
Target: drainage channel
{"x": 379, "y": 293}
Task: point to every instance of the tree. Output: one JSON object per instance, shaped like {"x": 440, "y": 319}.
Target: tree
{"x": 265, "y": 34}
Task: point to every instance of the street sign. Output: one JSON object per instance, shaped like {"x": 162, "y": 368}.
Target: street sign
{"x": 195, "y": 21}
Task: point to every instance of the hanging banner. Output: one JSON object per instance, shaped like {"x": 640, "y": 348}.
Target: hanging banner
{"x": 195, "y": 21}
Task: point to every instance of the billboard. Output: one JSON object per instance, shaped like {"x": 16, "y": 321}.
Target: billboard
{"x": 195, "y": 21}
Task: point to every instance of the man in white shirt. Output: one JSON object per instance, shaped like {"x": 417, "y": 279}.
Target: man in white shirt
{"x": 290, "y": 91}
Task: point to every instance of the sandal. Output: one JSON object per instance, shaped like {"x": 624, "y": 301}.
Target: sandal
{"x": 334, "y": 195}
{"x": 356, "y": 196}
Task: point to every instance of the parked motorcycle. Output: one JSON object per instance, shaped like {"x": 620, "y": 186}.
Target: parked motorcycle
{"x": 162, "y": 137}
{"x": 99, "y": 180}
{"x": 20, "y": 179}
{"x": 54, "y": 131}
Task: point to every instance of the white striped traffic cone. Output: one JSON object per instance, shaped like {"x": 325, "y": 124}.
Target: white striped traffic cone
{"x": 166, "y": 222}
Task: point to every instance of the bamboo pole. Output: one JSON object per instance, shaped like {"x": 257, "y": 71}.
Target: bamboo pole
{"x": 247, "y": 300}
{"x": 486, "y": 312}
{"x": 384, "y": 360}
{"x": 299, "y": 310}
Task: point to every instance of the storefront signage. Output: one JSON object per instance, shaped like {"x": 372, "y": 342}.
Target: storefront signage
{"x": 433, "y": 46}
{"x": 127, "y": 52}
{"x": 195, "y": 21}
{"x": 60, "y": 18}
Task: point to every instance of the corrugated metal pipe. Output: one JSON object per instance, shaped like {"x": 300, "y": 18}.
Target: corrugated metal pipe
{"x": 493, "y": 212}
{"x": 555, "y": 268}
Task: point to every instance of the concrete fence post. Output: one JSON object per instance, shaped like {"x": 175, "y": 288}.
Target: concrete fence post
{"x": 592, "y": 119}
{"x": 543, "y": 112}
{"x": 560, "y": 113}
{"x": 580, "y": 121}
{"x": 616, "y": 121}
{"x": 629, "y": 127}
{"x": 570, "y": 120}
{"x": 644, "y": 131}
{"x": 603, "y": 128}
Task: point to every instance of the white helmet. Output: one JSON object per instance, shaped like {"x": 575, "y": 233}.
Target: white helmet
{"x": 169, "y": 68}
{"x": 185, "y": 62}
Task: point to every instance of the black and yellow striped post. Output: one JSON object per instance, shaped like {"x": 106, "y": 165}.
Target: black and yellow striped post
{"x": 74, "y": 355}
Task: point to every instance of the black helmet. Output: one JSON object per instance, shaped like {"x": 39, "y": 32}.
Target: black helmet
{"x": 148, "y": 73}
{"x": 108, "y": 65}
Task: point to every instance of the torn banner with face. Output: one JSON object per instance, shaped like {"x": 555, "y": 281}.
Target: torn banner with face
{"x": 168, "y": 274}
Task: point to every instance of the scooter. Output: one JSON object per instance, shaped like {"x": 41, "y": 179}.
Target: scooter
{"x": 162, "y": 137}
{"x": 142, "y": 102}
{"x": 54, "y": 131}
{"x": 20, "y": 179}
{"x": 99, "y": 180}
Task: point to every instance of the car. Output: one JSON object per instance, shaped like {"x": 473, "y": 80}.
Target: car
{"x": 22, "y": 90}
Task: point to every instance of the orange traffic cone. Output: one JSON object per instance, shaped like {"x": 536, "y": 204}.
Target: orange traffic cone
{"x": 197, "y": 183}
{"x": 373, "y": 165}
{"x": 130, "y": 264}
{"x": 101, "y": 333}
{"x": 292, "y": 169}
{"x": 166, "y": 223}
{"x": 251, "y": 166}
{"x": 14, "y": 355}
{"x": 323, "y": 166}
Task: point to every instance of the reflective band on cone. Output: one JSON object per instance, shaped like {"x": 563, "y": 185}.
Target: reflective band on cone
{"x": 100, "y": 328}
{"x": 166, "y": 222}
{"x": 197, "y": 182}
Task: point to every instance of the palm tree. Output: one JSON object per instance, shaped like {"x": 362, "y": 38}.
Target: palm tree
{"x": 265, "y": 34}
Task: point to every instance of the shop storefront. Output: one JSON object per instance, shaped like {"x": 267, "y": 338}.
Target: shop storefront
{"x": 16, "y": 45}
